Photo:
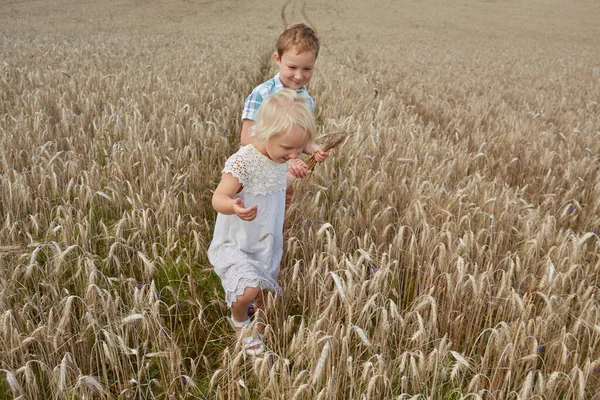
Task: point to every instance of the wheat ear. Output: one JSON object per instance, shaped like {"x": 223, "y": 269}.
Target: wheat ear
{"x": 332, "y": 141}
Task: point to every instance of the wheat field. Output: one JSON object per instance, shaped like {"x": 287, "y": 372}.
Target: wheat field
{"x": 449, "y": 249}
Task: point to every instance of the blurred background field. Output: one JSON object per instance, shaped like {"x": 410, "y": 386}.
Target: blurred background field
{"x": 449, "y": 249}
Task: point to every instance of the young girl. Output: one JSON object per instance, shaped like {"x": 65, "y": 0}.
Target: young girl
{"x": 247, "y": 243}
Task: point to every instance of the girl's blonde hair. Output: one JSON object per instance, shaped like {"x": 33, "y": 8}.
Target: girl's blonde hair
{"x": 279, "y": 112}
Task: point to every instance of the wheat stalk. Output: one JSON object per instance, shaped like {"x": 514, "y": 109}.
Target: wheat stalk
{"x": 331, "y": 142}
{"x": 448, "y": 217}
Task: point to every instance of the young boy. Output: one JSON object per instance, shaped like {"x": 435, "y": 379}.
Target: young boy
{"x": 297, "y": 51}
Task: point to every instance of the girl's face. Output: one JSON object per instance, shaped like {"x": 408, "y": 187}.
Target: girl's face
{"x": 284, "y": 147}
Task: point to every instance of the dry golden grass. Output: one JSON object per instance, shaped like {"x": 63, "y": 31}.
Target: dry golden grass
{"x": 448, "y": 250}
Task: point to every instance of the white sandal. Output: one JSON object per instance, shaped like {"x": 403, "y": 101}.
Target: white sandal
{"x": 253, "y": 345}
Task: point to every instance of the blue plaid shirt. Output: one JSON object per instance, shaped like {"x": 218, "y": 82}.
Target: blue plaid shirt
{"x": 255, "y": 99}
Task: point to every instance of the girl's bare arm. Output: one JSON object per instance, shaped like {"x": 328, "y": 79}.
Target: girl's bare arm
{"x": 224, "y": 203}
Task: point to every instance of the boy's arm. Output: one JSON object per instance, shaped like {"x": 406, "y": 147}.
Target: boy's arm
{"x": 246, "y": 138}
{"x": 224, "y": 203}
{"x": 290, "y": 179}
{"x": 251, "y": 105}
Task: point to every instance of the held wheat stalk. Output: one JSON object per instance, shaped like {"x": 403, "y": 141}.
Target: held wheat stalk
{"x": 332, "y": 141}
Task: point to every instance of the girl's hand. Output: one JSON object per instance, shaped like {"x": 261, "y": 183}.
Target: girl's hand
{"x": 245, "y": 214}
{"x": 298, "y": 168}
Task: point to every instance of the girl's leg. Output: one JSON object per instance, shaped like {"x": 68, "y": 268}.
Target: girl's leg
{"x": 259, "y": 303}
{"x": 251, "y": 344}
{"x": 240, "y": 306}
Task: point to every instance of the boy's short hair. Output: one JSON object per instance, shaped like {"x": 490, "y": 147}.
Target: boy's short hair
{"x": 301, "y": 36}
{"x": 279, "y": 112}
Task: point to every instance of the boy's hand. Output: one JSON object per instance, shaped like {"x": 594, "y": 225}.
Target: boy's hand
{"x": 246, "y": 214}
{"x": 298, "y": 168}
{"x": 320, "y": 155}
{"x": 317, "y": 152}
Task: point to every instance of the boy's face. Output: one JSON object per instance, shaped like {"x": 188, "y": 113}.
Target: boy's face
{"x": 295, "y": 69}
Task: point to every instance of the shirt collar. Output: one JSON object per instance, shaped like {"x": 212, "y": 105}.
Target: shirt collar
{"x": 280, "y": 86}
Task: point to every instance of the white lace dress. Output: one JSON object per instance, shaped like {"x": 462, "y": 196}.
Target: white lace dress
{"x": 247, "y": 253}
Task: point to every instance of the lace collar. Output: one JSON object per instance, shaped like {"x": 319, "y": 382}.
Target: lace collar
{"x": 256, "y": 172}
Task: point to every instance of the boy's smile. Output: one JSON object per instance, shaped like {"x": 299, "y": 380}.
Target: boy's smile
{"x": 295, "y": 69}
